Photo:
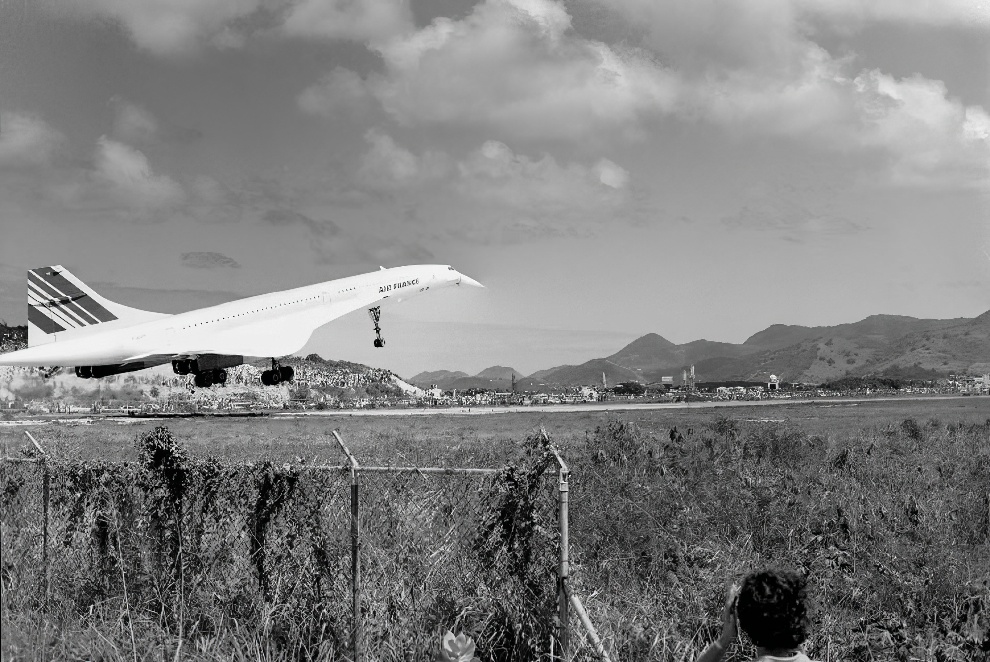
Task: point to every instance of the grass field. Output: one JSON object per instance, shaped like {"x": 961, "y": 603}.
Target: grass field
{"x": 886, "y": 507}
{"x": 452, "y": 440}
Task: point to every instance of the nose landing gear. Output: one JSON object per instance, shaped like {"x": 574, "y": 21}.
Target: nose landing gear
{"x": 376, "y": 315}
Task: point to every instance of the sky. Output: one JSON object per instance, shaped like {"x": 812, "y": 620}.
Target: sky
{"x": 607, "y": 168}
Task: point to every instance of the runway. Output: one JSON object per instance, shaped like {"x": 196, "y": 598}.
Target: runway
{"x": 589, "y": 407}
{"x": 596, "y": 407}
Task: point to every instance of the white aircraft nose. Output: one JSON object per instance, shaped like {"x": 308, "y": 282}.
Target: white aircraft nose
{"x": 467, "y": 280}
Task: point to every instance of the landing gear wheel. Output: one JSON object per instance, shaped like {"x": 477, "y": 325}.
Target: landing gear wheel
{"x": 220, "y": 376}
{"x": 376, "y": 315}
{"x": 286, "y": 373}
{"x": 84, "y": 371}
{"x": 271, "y": 377}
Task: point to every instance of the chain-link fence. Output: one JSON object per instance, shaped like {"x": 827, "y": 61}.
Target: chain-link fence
{"x": 345, "y": 562}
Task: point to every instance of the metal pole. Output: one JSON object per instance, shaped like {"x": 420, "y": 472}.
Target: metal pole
{"x": 45, "y": 498}
{"x": 355, "y": 550}
{"x": 563, "y": 571}
{"x": 429, "y": 470}
{"x": 356, "y": 567}
{"x": 562, "y": 492}
{"x": 586, "y": 621}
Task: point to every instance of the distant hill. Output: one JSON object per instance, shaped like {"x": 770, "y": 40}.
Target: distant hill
{"x": 961, "y": 347}
{"x": 649, "y": 351}
{"x": 496, "y": 377}
{"x": 438, "y": 377}
{"x": 589, "y": 372}
{"x": 653, "y": 354}
{"x": 875, "y": 345}
{"x": 878, "y": 344}
{"x": 499, "y": 372}
{"x": 781, "y": 335}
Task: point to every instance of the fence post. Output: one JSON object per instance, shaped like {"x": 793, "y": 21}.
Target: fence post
{"x": 588, "y": 626}
{"x": 563, "y": 571}
{"x": 45, "y": 498}
{"x": 355, "y": 551}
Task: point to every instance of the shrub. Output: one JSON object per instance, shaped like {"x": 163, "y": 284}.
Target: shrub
{"x": 911, "y": 429}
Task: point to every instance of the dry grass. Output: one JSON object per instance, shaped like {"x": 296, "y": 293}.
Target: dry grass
{"x": 884, "y": 505}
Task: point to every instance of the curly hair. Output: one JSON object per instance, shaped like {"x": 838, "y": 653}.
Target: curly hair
{"x": 773, "y": 609}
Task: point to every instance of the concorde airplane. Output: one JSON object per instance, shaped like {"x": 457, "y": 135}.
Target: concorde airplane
{"x": 71, "y": 325}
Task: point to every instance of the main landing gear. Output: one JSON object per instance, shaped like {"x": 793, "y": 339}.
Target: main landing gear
{"x": 208, "y": 378}
{"x": 376, "y": 316}
{"x": 204, "y": 378}
{"x": 277, "y": 375}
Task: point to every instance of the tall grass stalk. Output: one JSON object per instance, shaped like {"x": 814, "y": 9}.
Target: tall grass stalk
{"x": 123, "y": 579}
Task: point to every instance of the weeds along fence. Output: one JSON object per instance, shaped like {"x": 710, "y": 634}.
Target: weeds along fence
{"x": 319, "y": 562}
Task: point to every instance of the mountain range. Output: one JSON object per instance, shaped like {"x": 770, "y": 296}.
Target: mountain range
{"x": 893, "y": 345}
{"x": 886, "y": 345}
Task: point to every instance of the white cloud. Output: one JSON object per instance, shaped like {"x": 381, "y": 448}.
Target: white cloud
{"x": 132, "y": 123}
{"x": 496, "y": 175}
{"x": 127, "y": 174}
{"x": 118, "y": 180}
{"x": 931, "y": 138}
{"x": 961, "y": 13}
{"x": 26, "y": 141}
{"x": 386, "y": 165}
{"x": 171, "y": 28}
{"x": 228, "y": 39}
{"x": 516, "y": 65}
{"x": 611, "y": 174}
{"x": 340, "y": 90}
{"x": 755, "y": 67}
{"x": 357, "y": 20}
{"x": 492, "y": 193}
{"x": 807, "y": 102}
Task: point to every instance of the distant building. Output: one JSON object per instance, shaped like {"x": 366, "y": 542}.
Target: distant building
{"x": 774, "y": 383}
{"x": 588, "y": 393}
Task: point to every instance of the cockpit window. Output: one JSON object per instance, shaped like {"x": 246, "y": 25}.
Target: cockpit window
{"x": 450, "y": 268}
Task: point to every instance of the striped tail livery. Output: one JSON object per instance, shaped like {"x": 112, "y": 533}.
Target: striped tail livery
{"x": 60, "y": 305}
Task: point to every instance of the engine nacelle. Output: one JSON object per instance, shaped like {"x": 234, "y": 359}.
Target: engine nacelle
{"x": 97, "y": 371}
{"x": 206, "y": 362}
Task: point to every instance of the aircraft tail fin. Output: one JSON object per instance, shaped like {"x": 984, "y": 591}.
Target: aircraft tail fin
{"x": 59, "y": 303}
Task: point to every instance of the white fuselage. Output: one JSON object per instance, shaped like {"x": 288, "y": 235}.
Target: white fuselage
{"x": 266, "y": 325}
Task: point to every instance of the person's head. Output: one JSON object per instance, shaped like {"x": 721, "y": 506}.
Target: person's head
{"x": 773, "y": 609}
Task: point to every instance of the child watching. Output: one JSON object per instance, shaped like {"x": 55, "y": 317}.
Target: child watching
{"x": 771, "y": 607}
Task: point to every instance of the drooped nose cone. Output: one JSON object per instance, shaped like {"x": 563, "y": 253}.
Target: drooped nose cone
{"x": 467, "y": 280}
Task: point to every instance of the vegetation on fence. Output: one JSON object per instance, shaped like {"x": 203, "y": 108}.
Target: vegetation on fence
{"x": 193, "y": 554}
{"x": 889, "y": 516}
